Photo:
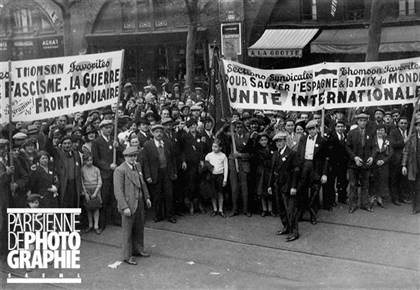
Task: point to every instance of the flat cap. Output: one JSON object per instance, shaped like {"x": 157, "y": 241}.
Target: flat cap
{"x": 280, "y": 135}
{"x": 156, "y": 127}
{"x": 29, "y": 141}
{"x": 3, "y": 142}
{"x": 130, "y": 151}
{"x": 142, "y": 121}
{"x": 166, "y": 121}
{"x": 417, "y": 120}
{"x": 254, "y": 120}
{"x": 184, "y": 106}
{"x": 33, "y": 197}
{"x": 388, "y": 113}
{"x": 105, "y": 123}
{"x": 89, "y": 130}
{"x": 57, "y": 133}
{"x": 380, "y": 110}
{"x": 195, "y": 108}
{"x": 362, "y": 116}
{"x": 20, "y": 136}
{"x": 311, "y": 124}
{"x": 396, "y": 111}
{"x": 127, "y": 84}
{"x": 94, "y": 112}
{"x": 32, "y": 129}
{"x": 107, "y": 111}
{"x": 68, "y": 127}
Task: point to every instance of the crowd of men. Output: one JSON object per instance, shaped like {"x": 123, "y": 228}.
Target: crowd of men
{"x": 279, "y": 163}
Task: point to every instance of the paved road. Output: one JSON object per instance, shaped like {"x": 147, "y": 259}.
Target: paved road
{"x": 378, "y": 250}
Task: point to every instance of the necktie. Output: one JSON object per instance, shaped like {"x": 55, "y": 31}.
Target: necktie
{"x": 363, "y": 137}
{"x": 311, "y": 137}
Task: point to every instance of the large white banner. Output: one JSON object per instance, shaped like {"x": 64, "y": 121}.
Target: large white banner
{"x": 325, "y": 85}
{"x": 47, "y": 88}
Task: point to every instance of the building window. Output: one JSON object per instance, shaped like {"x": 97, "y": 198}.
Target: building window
{"x": 355, "y": 10}
{"x": 159, "y": 7}
{"x": 128, "y": 9}
{"x": 406, "y": 7}
{"x": 309, "y": 8}
{"x": 22, "y": 20}
{"x": 143, "y": 14}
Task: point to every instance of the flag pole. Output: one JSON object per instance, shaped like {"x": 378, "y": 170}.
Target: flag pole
{"x": 413, "y": 117}
{"x": 322, "y": 121}
{"x": 224, "y": 92}
{"x": 114, "y": 151}
{"x": 9, "y": 91}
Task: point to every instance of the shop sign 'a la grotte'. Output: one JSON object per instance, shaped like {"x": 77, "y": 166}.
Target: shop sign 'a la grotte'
{"x": 50, "y": 87}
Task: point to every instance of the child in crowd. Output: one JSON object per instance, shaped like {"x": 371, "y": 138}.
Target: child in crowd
{"x": 91, "y": 184}
{"x": 219, "y": 162}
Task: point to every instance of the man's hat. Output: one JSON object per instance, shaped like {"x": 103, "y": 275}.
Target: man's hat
{"x": 185, "y": 106}
{"x": 29, "y": 141}
{"x": 311, "y": 124}
{"x": 388, "y": 113}
{"x": 417, "y": 121}
{"x": 198, "y": 89}
{"x": 150, "y": 113}
{"x": 105, "y": 123}
{"x": 280, "y": 135}
{"x": 32, "y": 130}
{"x": 68, "y": 127}
{"x": 246, "y": 115}
{"x": 379, "y": 110}
{"x": 175, "y": 85}
{"x": 89, "y": 130}
{"x": 77, "y": 128}
{"x": 196, "y": 108}
{"x": 19, "y": 136}
{"x": 156, "y": 127}
{"x": 57, "y": 133}
{"x": 254, "y": 121}
{"x": 94, "y": 112}
{"x": 3, "y": 142}
{"x": 166, "y": 121}
{"x": 342, "y": 111}
{"x": 238, "y": 122}
{"x": 395, "y": 111}
{"x": 362, "y": 116}
{"x": 33, "y": 197}
{"x": 127, "y": 84}
{"x": 142, "y": 121}
{"x": 107, "y": 111}
{"x": 131, "y": 151}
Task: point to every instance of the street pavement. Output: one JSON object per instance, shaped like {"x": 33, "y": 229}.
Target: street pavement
{"x": 379, "y": 250}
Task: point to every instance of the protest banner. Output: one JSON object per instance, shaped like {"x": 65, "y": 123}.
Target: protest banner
{"x": 324, "y": 85}
{"x": 47, "y": 88}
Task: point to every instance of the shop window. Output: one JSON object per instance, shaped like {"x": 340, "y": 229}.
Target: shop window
{"x": 162, "y": 62}
{"x": 309, "y": 10}
{"x": 143, "y": 14}
{"x": 406, "y": 7}
{"x": 109, "y": 19}
{"x": 159, "y": 7}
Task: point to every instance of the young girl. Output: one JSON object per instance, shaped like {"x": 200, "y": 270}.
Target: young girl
{"x": 91, "y": 184}
{"x": 219, "y": 162}
{"x": 263, "y": 161}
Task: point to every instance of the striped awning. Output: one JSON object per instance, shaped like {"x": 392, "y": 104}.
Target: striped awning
{"x": 282, "y": 43}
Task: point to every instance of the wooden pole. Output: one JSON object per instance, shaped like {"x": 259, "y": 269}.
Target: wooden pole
{"x": 114, "y": 152}
{"x": 322, "y": 121}
{"x": 224, "y": 92}
{"x": 9, "y": 90}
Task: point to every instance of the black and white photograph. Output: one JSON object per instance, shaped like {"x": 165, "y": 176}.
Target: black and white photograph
{"x": 209, "y": 144}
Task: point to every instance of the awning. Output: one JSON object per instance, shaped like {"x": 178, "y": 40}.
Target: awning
{"x": 281, "y": 43}
{"x": 393, "y": 39}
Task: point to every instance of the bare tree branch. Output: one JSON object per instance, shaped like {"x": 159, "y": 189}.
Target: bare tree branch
{"x": 59, "y": 4}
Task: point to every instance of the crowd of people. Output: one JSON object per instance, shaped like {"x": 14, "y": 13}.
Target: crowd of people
{"x": 254, "y": 162}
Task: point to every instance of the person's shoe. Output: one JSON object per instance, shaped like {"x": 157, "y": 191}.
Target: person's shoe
{"x": 415, "y": 211}
{"x": 214, "y": 213}
{"x": 235, "y": 213}
{"x": 292, "y": 237}
{"x": 396, "y": 202}
{"x": 313, "y": 220}
{"x": 172, "y": 220}
{"x": 352, "y": 209}
{"x": 130, "y": 261}
{"x": 87, "y": 230}
{"x": 407, "y": 201}
{"x": 264, "y": 213}
{"x": 380, "y": 202}
{"x": 272, "y": 214}
{"x": 222, "y": 214}
{"x": 248, "y": 214}
{"x": 283, "y": 231}
{"x": 369, "y": 209}
{"x": 157, "y": 219}
{"x": 98, "y": 231}
{"x": 142, "y": 254}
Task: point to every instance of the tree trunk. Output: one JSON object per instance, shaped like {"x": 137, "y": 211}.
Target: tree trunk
{"x": 67, "y": 33}
{"x": 190, "y": 53}
{"x": 377, "y": 16}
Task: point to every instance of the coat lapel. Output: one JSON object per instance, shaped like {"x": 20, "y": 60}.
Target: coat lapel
{"x": 132, "y": 175}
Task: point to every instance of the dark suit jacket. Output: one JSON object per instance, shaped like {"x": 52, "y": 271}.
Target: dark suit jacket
{"x": 397, "y": 143}
{"x": 102, "y": 153}
{"x": 384, "y": 153}
{"x": 410, "y": 157}
{"x": 354, "y": 146}
{"x": 284, "y": 170}
{"x": 336, "y": 150}
{"x": 129, "y": 187}
{"x": 151, "y": 161}
{"x": 143, "y": 139}
{"x": 192, "y": 148}
{"x": 320, "y": 158}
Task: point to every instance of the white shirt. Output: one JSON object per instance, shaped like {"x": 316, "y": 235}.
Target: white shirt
{"x": 403, "y": 133}
{"x": 282, "y": 150}
{"x": 380, "y": 142}
{"x": 106, "y": 139}
{"x": 219, "y": 162}
{"x": 340, "y": 136}
{"x": 310, "y": 148}
{"x": 158, "y": 143}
